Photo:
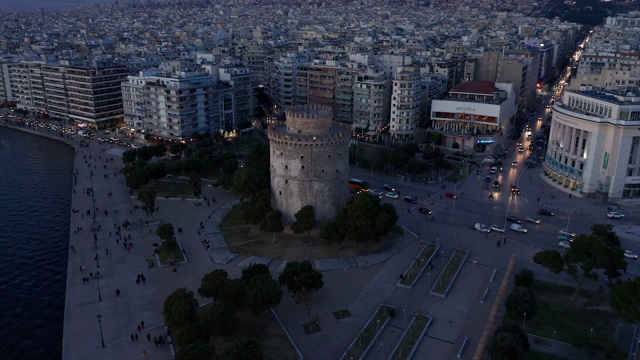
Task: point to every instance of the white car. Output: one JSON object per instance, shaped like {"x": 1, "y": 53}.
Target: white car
{"x": 519, "y": 228}
{"x": 564, "y": 244}
{"x": 493, "y": 170}
{"x": 630, "y": 255}
{"x": 377, "y": 192}
{"x": 532, "y": 220}
{"x": 514, "y": 163}
{"x": 392, "y": 195}
{"x": 615, "y": 215}
{"x": 481, "y": 227}
{"x": 496, "y": 228}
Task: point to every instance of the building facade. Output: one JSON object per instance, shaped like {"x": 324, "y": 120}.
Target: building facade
{"x": 309, "y": 162}
{"x": 594, "y": 143}
{"x": 475, "y": 116}
{"x": 406, "y": 100}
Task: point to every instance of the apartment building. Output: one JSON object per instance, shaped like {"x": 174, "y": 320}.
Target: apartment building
{"x": 8, "y": 88}
{"x": 241, "y": 79}
{"x": 475, "y": 116}
{"x": 371, "y": 91}
{"x": 594, "y": 143}
{"x": 177, "y": 101}
{"x": 406, "y": 98}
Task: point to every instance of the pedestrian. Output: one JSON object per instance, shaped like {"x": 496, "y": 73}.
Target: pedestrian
{"x": 505, "y": 241}
{"x": 132, "y": 338}
{"x": 148, "y": 337}
{"x": 107, "y": 251}
{"x": 73, "y": 249}
{"x": 143, "y": 281}
{"x": 569, "y": 196}
{"x": 144, "y": 354}
{"x": 139, "y": 327}
{"x": 155, "y": 341}
{"x": 160, "y": 339}
{"x": 136, "y": 335}
{"x": 175, "y": 270}
{"x": 498, "y": 243}
{"x": 117, "y": 292}
{"x": 142, "y": 324}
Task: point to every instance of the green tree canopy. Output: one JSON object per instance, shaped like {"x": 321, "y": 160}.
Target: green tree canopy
{"x": 272, "y": 223}
{"x": 165, "y": 231}
{"x": 244, "y": 349}
{"x": 263, "y": 293}
{"x": 254, "y": 270}
{"x": 192, "y": 332}
{"x": 180, "y": 309}
{"x": 509, "y": 343}
{"x": 129, "y": 156}
{"x": 235, "y": 290}
{"x": 301, "y": 278}
{"x": 254, "y": 210}
{"x": 173, "y": 167}
{"x": 625, "y": 300}
{"x": 196, "y": 351}
{"x": 196, "y": 185}
{"x": 305, "y": 221}
{"x": 522, "y": 301}
{"x": 212, "y": 284}
{"x": 221, "y": 318}
{"x": 524, "y": 278}
{"x": 148, "y": 198}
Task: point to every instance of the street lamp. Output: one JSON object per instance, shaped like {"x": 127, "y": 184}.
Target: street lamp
{"x": 429, "y": 281}
{"x": 523, "y": 320}
{"x": 100, "y": 324}
{"x": 382, "y": 351}
{"x": 404, "y": 322}
{"x": 99, "y": 293}
{"x": 590, "y": 334}
{"x": 554, "y": 335}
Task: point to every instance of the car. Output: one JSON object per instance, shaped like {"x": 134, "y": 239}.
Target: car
{"x": 496, "y": 228}
{"x": 519, "y": 228}
{"x": 565, "y": 232}
{"x": 514, "y": 163}
{"x": 545, "y": 212}
{"x": 409, "y": 199}
{"x": 513, "y": 219}
{"x": 481, "y": 227}
{"x": 521, "y": 149}
{"x": 565, "y": 238}
{"x": 615, "y": 215}
{"x": 487, "y": 179}
{"x": 388, "y": 187}
{"x": 377, "y": 192}
{"x": 515, "y": 190}
{"x": 493, "y": 170}
{"x": 498, "y": 162}
{"x": 630, "y": 255}
{"x": 450, "y": 195}
{"x": 532, "y": 220}
{"x": 564, "y": 244}
{"x": 496, "y": 184}
{"x": 425, "y": 211}
{"x": 392, "y": 195}
{"x": 518, "y": 143}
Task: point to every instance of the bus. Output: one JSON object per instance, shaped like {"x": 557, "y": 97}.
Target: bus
{"x": 356, "y": 185}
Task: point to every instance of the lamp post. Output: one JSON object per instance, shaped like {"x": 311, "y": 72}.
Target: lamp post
{"x": 100, "y": 324}
{"x": 554, "y": 335}
{"x": 382, "y": 351}
{"x": 429, "y": 281}
{"x": 524, "y": 318}
{"x": 590, "y": 334}
{"x": 99, "y": 293}
{"x": 404, "y": 322}
{"x": 569, "y": 219}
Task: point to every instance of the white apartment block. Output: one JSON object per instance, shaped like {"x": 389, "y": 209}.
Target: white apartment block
{"x": 176, "y": 102}
{"x": 594, "y": 144}
{"x": 371, "y": 100}
{"x": 242, "y": 81}
{"x": 406, "y": 100}
{"x": 475, "y": 116}
{"x": 8, "y": 88}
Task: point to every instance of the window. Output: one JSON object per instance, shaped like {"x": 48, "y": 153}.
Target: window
{"x": 286, "y": 181}
{"x": 286, "y": 167}
{"x": 301, "y": 157}
{"x": 302, "y": 168}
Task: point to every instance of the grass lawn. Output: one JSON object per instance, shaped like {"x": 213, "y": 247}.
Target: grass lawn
{"x": 571, "y": 321}
{"x": 168, "y": 188}
{"x": 446, "y": 277}
{"x": 419, "y": 264}
{"x": 536, "y": 355}
{"x": 412, "y": 337}
{"x": 367, "y": 335}
{"x": 167, "y": 256}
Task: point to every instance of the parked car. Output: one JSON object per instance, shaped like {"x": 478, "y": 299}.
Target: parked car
{"x": 425, "y": 211}
{"x": 409, "y": 199}
{"x": 493, "y": 170}
{"x": 565, "y": 232}
{"x": 513, "y": 219}
{"x": 615, "y": 215}
{"x": 377, "y": 192}
{"x": 545, "y": 212}
{"x": 496, "y": 184}
{"x": 519, "y": 228}
{"x": 388, "y": 187}
{"x": 532, "y": 220}
{"x": 392, "y": 195}
{"x": 450, "y": 195}
{"x": 564, "y": 244}
{"x": 481, "y": 227}
{"x": 565, "y": 238}
{"x": 630, "y": 255}
{"x": 496, "y": 228}
{"x": 487, "y": 179}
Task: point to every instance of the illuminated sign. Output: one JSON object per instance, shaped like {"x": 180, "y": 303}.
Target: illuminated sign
{"x": 485, "y": 141}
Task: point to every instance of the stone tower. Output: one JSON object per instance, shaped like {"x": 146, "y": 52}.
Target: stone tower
{"x": 309, "y": 163}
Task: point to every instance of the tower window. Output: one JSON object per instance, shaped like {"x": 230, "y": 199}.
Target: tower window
{"x": 279, "y": 192}
{"x": 302, "y": 167}
{"x": 322, "y": 170}
{"x": 286, "y": 167}
{"x": 286, "y": 181}
{"x": 301, "y": 157}
{"x": 329, "y": 156}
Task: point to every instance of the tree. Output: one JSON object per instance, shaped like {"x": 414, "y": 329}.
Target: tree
{"x": 363, "y": 218}
{"x": 244, "y": 349}
{"x": 159, "y": 150}
{"x": 301, "y": 279}
{"x": 263, "y": 293}
{"x": 129, "y": 156}
{"x": 180, "y": 308}
{"x": 221, "y": 318}
{"x": 522, "y": 301}
{"x": 196, "y": 186}
{"x": 165, "y": 231}
{"x": 196, "y": 351}
{"x": 235, "y": 290}
{"x": 145, "y": 153}
{"x": 137, "y": 178}
{"x": 255, "y": 209}
{"x": 192, "y": 332}
{"x": 212, "y": 284}
{"x": 148, "y": 198}
{"x": 605, "y": 231}
{"x": 272, "y": 223}
{"x": 625, "y": 300}
{"x": 509, "y": 343}
{"x": 305, "y": 221}
{"x": 330, "y": 232}
{"x": 173, "y": 168}
{"x": 254, "y": 270}
{"x": 524, "y": 278}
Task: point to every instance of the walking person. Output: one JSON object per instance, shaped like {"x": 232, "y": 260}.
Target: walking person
{"x": 148, "y": 337}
